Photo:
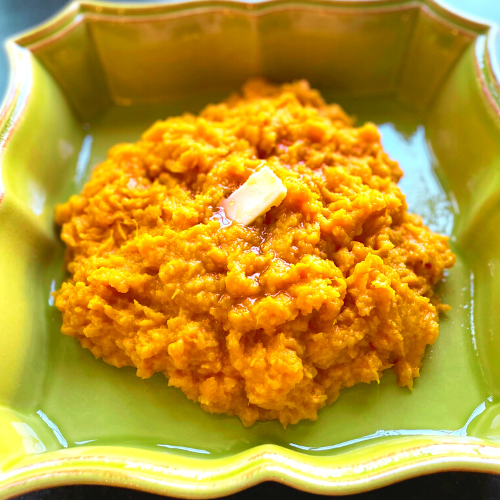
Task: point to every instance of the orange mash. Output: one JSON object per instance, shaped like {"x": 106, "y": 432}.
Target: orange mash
{"x": 268, "y": 320}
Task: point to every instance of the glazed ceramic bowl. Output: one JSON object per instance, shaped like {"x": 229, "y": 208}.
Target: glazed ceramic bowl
{"x": 98, "y": 74}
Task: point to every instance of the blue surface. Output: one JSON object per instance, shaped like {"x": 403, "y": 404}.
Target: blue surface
{"x": 486, "y": 9}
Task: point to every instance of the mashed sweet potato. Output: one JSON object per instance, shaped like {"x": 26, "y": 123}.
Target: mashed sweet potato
{"x": 270, "y": 320}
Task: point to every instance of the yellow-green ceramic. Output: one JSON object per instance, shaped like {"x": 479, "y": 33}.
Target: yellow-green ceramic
{"x": 100, "y": 73}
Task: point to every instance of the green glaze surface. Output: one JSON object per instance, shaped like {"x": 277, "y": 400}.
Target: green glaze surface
{"x": 99, "y": 74}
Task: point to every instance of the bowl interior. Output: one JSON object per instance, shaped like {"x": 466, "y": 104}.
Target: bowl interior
{"x": 441, "y": 130}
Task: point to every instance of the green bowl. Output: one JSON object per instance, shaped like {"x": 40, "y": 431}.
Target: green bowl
{"x": 97, "y": 74}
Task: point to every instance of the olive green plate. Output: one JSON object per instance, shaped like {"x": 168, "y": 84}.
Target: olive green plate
{"x": 100, "y": 73}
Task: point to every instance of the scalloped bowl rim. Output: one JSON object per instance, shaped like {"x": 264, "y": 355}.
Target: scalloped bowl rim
{"x": 163, "y": 474}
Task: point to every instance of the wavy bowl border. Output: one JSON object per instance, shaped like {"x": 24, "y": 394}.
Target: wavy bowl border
{"x": 164, "y": 474}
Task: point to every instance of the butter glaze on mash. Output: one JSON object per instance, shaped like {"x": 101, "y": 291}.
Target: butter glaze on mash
{"x": 267, "y": 321}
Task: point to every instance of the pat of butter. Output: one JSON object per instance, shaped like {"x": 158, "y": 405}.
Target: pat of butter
{"x": 262, "y": 191}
